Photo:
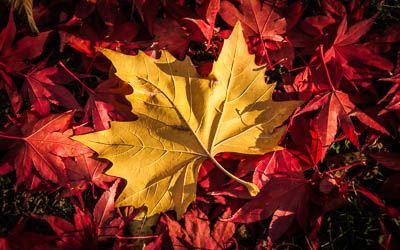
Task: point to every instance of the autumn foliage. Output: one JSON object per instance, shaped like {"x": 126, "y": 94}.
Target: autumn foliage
{"x": 193, "y": 119}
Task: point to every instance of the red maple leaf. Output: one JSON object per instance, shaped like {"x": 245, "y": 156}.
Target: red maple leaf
{"x": 13, "y": 55}
{"x": 42, "y": 143}
{"x": 352, "y": 56}
{"x": 17, "y": 238}
{"x": 84, "y": 171}
{"x": 284, "y": 195}
{"x": 264, "y": 27}
{"x": 202, "y": 28}
{"x": 43, "y": 87}
{"x": 306, "y": 143}
{"x": 87, "y": 229}
{"x": 87, "y": 38}
{"x": 341, "y": 43}
{"x": 107, "y": 10}
{"x": 171, "y": 36}
{"x": 148, "y": 10}
{"x": 107, "y": 103}
{"x": 198, "y": 233}
{"x": 336, "y": 106}
{"x": 344, "y": 44}
{"x": 393, "y": 95}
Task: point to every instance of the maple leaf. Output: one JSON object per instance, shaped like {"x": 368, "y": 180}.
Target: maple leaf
{"x": 88, "y": 229}
{"x": 184, "y": 119}
{"x": 43, "y": 88}
{"x": 84, "y": 171}
{"x": 106, "y": 103}
{"x": 305, "y": 137}
{"x": 341, "y": 41}
{"x": 203, "y": 28}
{"x": 258, "y": 21}
{"x": 342, "y": 45}
{"x": 12, "y": 56}
{"x": 393, "y": 95}
{"x": 17, "y": 238}
{"x": 349, "y": 54}
{"x": 264, "y": 27}
{"x": 42, "y": 143}
{"x": 336, "y": 106}
{"x": 87, "y": 38}
{"x": 171, "y": 36}
{"x": 284, "y": 195}
{"x": 197, "y": 233}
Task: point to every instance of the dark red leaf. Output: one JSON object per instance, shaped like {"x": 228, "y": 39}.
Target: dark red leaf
{"x": 304, "y": 134}
{"x": 88, "y": 229}
{"x": 284, "y": 195}
{"x": 263, "y": 27}
{"x": 391, "y": 188}
{"x": 84, "y": 171}
{"x": 17, "y": 238}
{"x": 203, "y": 28}
{"x": 104, "y": 213}
{"x": 389, "y": 160}
{"x": 108, "y": 103}
{"x": 334, "y": 8}
{"x": 171, "y": 36}
{"x": 43, "y": 87}
{"x": 11, "y": 57}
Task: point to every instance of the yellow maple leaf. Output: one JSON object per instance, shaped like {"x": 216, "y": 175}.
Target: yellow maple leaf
{"x": 184, "y": 119}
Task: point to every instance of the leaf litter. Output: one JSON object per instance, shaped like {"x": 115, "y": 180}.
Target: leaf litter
{"x": 335, "y": 60}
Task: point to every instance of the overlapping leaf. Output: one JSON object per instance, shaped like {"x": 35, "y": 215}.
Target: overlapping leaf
{"x": 183, "y": 120}
{"x": 197, "y": 232}
{"x": 107, "y": 103}
{"x": 12, "y": 56}
{"x": 264, "y": 27}
{"x": 284, "y": 194}
{"x": 88, "y": 229}
{"x": 41, "y": 144}
{"x": 44, "y": 87}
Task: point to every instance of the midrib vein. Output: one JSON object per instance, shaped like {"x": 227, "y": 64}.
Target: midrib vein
{"x": 226, "y": 100}
{"x": 207, "y": 153}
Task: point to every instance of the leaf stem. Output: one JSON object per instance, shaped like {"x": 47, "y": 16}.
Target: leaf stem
{"x": 11, "y": 137}
{"x": 136, "y": 237}
{"x": 251, "y": 187}
{"x": 74, "y": 76}
{"x": 347, "y": 166}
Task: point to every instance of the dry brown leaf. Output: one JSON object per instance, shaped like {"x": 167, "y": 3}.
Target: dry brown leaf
{"x": 184, "y": 119}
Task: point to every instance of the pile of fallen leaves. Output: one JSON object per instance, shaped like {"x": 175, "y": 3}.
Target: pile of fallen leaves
{"x": 197, "y": 124}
